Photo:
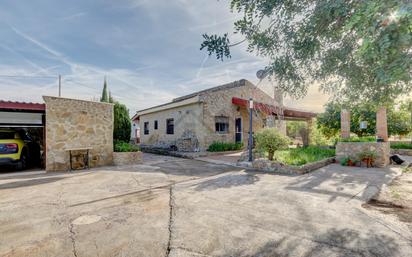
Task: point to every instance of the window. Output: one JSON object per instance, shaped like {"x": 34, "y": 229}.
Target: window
{"x": 170, "y": 127}
{"x": 146, "y": 128}
{"x": 155, "y": 124}
{"x": 222, "y": 124}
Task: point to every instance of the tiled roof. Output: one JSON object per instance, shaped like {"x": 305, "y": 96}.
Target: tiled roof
{"x": 22, "y": 106}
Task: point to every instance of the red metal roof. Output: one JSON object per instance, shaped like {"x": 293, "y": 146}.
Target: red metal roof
{"x": 22, "y": 106}
{"x": 271, "y": 109}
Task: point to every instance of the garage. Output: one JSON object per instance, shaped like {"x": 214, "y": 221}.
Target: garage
{"x": 22, "y": 135}
{"x": 62, "y": 134}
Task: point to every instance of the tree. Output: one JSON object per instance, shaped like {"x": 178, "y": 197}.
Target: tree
{"x": 111, "y": 99}
{"x": 270, "y": 140}
{"x": 329, "y": 121}
{"x": 122, "y": 124}
{"x": 105, "y": 97}
{"x": 293, "y": 128}
{"x": 359, "y": 51}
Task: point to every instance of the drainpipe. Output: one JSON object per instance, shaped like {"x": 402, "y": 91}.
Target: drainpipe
{"x": 250, "y": 129}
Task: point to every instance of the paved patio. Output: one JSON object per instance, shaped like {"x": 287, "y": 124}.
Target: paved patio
{"x": 177, "y": 207}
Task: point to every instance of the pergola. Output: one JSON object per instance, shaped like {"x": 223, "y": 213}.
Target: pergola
{"x": 288, "y": 113}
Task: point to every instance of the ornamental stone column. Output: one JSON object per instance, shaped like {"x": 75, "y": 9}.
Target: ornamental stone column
{"x": 345, "y": 123}
{"x": 382, "y": 124}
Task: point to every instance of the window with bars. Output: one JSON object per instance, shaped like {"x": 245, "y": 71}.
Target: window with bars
{"x": 146, "y": 128}
{"x": 170, "y": 127}
{"x": 222, "y": 124}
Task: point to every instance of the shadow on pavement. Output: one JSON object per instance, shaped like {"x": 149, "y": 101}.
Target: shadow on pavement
{"x": 31, "y": 182}
{"x": 335, "y": 242}
{"x": 227, "y": 181}
{"x": 337, "y": 181}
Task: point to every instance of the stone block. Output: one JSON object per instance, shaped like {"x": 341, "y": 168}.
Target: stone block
{"x": 353, "y": 149}
{"x": 127, "y": 158}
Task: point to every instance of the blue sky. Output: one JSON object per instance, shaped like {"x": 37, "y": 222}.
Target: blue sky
{"x": 147, "y": 49}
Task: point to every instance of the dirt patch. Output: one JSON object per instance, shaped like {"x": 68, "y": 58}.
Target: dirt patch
{"x": 396, "y": 198}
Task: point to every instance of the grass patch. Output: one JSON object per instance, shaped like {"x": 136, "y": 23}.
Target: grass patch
{"x": 222, "y": 147}
{"x": 358, "y": 139}
{"x": 301, "y": 156}
{"x": 401, "y": 145}
{"x": 407, "y": 170}
{"x": 120, "y": 146}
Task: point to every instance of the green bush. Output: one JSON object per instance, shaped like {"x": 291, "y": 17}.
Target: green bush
{"x": 270, "y": 140}
{"x": 120, "y": 146}
{"x": 301, "y": 156}
{"x": 222, "y": 147}
{"x": 401, "y": 145}
{"x": 122, "y": 126}
{"x": 358, "y": 139}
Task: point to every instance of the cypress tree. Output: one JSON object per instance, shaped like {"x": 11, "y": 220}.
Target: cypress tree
{"x": 104, "y": 97}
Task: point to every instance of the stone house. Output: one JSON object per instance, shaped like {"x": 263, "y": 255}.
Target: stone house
{"x": 218, "y": 114}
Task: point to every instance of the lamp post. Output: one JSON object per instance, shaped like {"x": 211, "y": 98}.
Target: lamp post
{"x": 250, "y": 129}
{"x": 410, "y": 109}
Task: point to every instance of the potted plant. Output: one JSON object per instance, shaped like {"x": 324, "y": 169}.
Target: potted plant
{"x": 367, "y": 157}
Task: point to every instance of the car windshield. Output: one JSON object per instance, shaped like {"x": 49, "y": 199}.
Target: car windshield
{"x": 7, "y": 134}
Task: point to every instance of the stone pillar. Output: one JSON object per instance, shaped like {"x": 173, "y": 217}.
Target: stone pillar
{"x": 345, "y": 123}
{"x": 382, "y": 124}
{"x": 309, "y": 128}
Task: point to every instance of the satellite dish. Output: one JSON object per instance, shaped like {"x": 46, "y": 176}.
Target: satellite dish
{"x": 261, "y": 74}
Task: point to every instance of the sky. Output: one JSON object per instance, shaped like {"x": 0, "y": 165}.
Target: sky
{"x": 147, "y": 49}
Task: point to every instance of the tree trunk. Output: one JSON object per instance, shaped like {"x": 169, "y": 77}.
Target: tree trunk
{"x": 270, "y": 155}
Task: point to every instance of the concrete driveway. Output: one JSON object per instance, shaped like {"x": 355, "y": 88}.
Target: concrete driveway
{"x": 177, "y": 207}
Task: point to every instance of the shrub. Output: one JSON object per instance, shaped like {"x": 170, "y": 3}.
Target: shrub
{"x": 222, "y": 146}
{"x": 120, "y": 146}
{"x": 368, "y": 156}
{"x": 301, "y": 156}
{"x": 358, "y": 139}
{"x": 270, "y": 140}
{"x": 122, "y": 126}
{"x": 348, "y": 161}
{"x": 401, "y": 145}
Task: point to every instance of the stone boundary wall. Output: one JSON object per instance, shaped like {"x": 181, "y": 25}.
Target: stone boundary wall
{"x": 276, "y": 167}
{"x": 127, "y": 158}
{"x": 353, "y": 149}
{"x": 74, "y": 123}
{"x": 402, "y": 151}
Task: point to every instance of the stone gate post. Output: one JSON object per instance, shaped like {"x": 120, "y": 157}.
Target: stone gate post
{"x": 344, "y": 123}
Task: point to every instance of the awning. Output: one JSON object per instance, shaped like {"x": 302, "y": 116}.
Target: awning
{"x": 288, "y": 113}
{"x": 22, "y": 106}
{"x": 20, "y": 114}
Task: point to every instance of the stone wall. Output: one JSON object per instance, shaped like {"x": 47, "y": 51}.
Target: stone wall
{"x": 77, "y": 124}
{"x": 353, "y": 149}
{"x": 276, "y": 167}
{"x": 402, "y": 151}
{"x": 127, "y": 158}
{"x": 187, "y": 122}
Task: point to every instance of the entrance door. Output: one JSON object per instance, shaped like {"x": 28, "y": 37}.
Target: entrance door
{"x": 238, "y": 130}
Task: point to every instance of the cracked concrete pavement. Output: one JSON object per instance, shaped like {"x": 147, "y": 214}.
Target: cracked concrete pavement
{"x": 176, "y": 207}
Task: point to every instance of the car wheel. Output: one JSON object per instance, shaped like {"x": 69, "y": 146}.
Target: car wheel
{"x": 22, "y": 164}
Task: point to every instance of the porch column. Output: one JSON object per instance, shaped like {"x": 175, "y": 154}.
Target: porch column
{"x": 309, "y": 123}
{"x": 345, "y": 123}
{"x": 382, "y": 124}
